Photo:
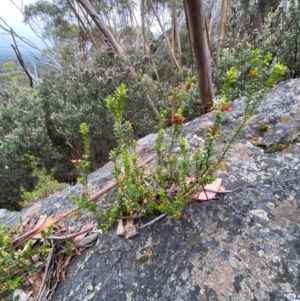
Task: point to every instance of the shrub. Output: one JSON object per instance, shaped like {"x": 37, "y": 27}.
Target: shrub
{"x": 168, "y": 188}
{"x": 46, "y": 184}
{"x": 79, "y": 95}
{"x": 16, "y": 263}
{"x": 270, "y": 27}
{"x": 22, "y": 133}
{"x": 43, "y": 122}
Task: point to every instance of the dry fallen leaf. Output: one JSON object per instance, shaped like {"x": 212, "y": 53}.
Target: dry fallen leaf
{"x": 64, "y": 270}
{"x": 80, "y": 237}
{"x": 45, "y": 224}
{"x": 25, "y": 225}
{"x": 35, "y": 257}
{"x": 36, "y": 280}
{"x": 60, "y": 227}
{"x": 120, "y": 228}
{"x": 221, "y": 188}
{"x": 208, "y": 195}
{"x": 25, "y": 282}
{"x": 89, "y": 240}
{"x": 130, "y": 230}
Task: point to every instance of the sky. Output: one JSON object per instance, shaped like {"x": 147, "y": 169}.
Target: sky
{"x": 13, "y": 18}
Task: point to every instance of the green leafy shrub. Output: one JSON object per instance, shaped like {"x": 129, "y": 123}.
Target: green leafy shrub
{"x": 83, "y": 166}
{"x": 22, "y": 133}
{"x": 79, "y": 95}
{"x": 268, "y": 26}
{"x": 45, "y": 186}
{"x": 16, "y": 263}
{"x": 168, "y": 189}
{"x": 43, "y": 122}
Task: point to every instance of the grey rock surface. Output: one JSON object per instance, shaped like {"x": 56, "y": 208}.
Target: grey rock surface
{"x": 244, "y": 246}
{"x": 5, "y": 215}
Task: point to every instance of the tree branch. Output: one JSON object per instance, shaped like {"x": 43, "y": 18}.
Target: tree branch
{"x": 20, "y": 59}
{"x": 8, "y": 30}
{"x": 86, "y": 4}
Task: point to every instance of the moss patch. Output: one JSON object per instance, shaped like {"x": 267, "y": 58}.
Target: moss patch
{"x": 143, "y": 259}
{"x": 277, "y": 148}
{"x": 262, "y": 127}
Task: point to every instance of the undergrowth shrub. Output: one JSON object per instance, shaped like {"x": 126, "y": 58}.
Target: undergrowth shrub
{"x": 79, "y": 95}
{"x": 46, "y": 183}
{"x": 268, "y": 26}
{"x": 22, "y": 133}
{"x": 15, "y": 264}
{"x": 168, "y": 188}
{"x": 43, "y": 122}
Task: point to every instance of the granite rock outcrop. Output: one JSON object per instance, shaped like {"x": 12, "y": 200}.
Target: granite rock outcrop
{"x": 243, "y": 246}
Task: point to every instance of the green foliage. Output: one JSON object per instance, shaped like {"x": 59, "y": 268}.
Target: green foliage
{"x": 168, "y": 188}
{"x": 13, "y": 77}
{"x": 43, "y": 122}
{"x": 268, "y": 26}
{"x": 83, "y": 165}
{"x": 263, "y": 127}
{"x": 9, "y": 66}
{"x": 11, "y": 73}
{"x": 136, "y": 193}
{"x": 22, "y": 133}
{"x": 143, "y": 259}
{"x": 277, "y": 148}
{"x": 261, "y": 78}
{"x": 257, "y": 87}
{"x": 46, "y": 183}
{"x": 16, "y": 263}
{"x": 79, "y": 95}
{"x": 54, "y": 20}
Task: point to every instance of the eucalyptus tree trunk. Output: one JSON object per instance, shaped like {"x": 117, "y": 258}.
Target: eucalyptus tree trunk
{"x": 195, "y": 17}
{"x": 82, "y": 24}
{"x": 175, "y": 33}
{"x": 222, "y": 23}
{"x": 146, "y": 49}
{"x": 212, "y": 13}
{"x": 87, "y": 5}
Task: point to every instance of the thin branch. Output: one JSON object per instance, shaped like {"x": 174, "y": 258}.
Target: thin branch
{"x": 87, "y": 5}
{"x": 211, "y": 19}
{"x": 153, "y": 108}
{"x": 37, "y": 34}
{"x": 42, "y": 287}
{"x": 189, "y": 33}
{"x": 82, "y": 23}
{"x": 218, "y": 191}
{"x": 114, "y": 184}
{"x": 8, "y": 30}
{"x": 164, "y": 34}
{"x": 69, "y": 236}
{"x": 20, "y": 59}
{"x": 222, "y": 24}
{"x": 154, "y": 220}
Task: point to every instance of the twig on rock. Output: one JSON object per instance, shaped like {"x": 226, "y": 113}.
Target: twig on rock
{"x": 112, "y": 185}
{"x": 153, "y": 221}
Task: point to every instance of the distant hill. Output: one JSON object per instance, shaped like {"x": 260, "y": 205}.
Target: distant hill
{"x": 36, "y": 58}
